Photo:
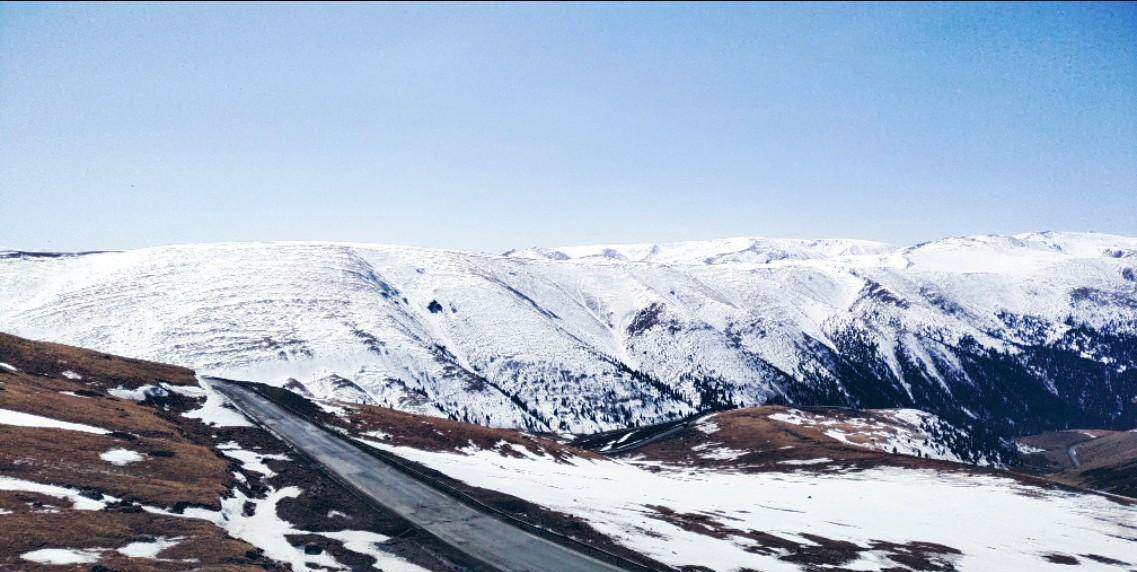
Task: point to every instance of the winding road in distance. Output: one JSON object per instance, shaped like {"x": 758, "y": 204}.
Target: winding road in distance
{"x": 483, "y": 537}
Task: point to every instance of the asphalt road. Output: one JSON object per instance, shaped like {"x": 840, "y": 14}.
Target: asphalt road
{"x": 481, "y": 536}
{"x": 1073, "y": 454}
{"x": 617, "y": 442}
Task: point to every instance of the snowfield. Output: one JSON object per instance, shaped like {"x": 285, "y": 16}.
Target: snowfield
{"x": 590, "y": 338}
{"x": 988, "y": 523}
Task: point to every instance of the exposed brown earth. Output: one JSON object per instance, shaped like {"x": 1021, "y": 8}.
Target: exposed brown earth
{"x": 765, "y": 444}
{"x": 181, "y": 466}
{"x": 759, "y": 443}
{"x": 765, "y": 441}
{"x": 171, "y": 472}
{"x": 178, "y": 467}
{"x": 436, "y": 434}
{"x": 102, "y": 370}
{"x": 202, "y": 544}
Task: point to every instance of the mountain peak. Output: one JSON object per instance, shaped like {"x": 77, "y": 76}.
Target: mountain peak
{"x": 746, "y": 249}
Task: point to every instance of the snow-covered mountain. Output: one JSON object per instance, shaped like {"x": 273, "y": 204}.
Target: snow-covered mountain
{"x": 1015, "y": 333}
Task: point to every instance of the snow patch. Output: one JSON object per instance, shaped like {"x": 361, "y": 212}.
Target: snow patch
{"x": 708, "y": 427}
{"x": 214, "y": 411}
{"x": 381, "y": 435}
{"x": 251, "y": 460}
{"x": 138, "y": 394}
{"x": 63, "y": 556}
{"x": 366, "y": 542}
{"x": 121, "y": 457}
{"x": 718, "y": 452}
{"x": 78, "y": 501}
{"x": 337, "y": 410}
{"x": 8, "y": 367}
{"x": 263, "y": 528}
{"x": 1026, "y": 449}
{"x": 817, "y": 461}
{"x": 20, "y": 419}
{"x": 267, "y": 531}
{"x": 71, "y": 375}
{"x": 148, "y": 549}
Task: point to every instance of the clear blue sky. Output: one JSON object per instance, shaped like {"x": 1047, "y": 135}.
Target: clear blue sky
{"x": 487, "y": 126}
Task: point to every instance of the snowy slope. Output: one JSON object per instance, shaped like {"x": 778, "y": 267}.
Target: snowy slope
{"x": 898, "y": 431}
{"x": 798, "y": 518}
{"x": 1035, "y": 329}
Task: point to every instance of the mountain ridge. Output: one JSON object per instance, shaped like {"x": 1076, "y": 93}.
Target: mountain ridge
{"x": 592, "y": 341}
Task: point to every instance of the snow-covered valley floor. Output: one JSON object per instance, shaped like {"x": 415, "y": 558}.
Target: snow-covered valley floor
{"x": 860, "y": 520}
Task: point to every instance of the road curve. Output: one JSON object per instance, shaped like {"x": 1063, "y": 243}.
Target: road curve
{"x": 629, "y": 439}
{"x": 1073, "y": 454}
{"x": 478, "y": 535}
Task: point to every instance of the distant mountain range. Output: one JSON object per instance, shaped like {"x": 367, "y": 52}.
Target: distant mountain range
{"x": 1005, "y": 334}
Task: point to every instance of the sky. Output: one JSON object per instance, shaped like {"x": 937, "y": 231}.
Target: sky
{"x": 493, "y": 126}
